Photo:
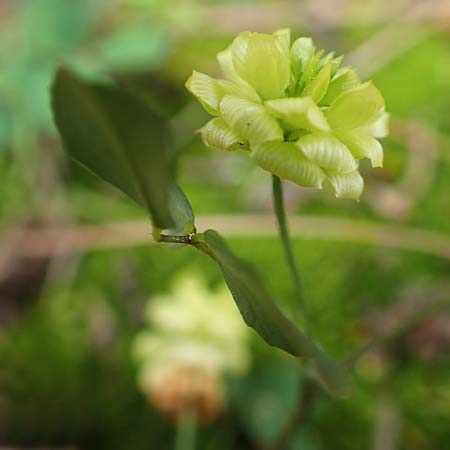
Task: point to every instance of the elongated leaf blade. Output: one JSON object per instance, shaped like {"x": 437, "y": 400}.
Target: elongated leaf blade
{"x": 261, "y": 313}
{"x": 118, "y": 137}
{"x": 181, "y": 212}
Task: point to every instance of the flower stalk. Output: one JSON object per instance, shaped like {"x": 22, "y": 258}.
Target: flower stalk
{"x": 278, "y": 202}
{"x": 186, "y": 430}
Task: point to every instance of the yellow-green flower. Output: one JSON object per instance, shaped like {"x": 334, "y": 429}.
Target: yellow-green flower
{"x": 194, "y": 337}
{"x": 302, "y": 116}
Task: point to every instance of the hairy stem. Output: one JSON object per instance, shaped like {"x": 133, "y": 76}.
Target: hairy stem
{"x": 280, "y": 213}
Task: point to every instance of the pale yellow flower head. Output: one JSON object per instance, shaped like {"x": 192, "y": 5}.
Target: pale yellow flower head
{"x": 195, "y": 336}
{"x": 301, "y": 115}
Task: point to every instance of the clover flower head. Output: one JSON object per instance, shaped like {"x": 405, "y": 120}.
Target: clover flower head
{"x": 300, "y": 114}
{"x": 194, "y": 337}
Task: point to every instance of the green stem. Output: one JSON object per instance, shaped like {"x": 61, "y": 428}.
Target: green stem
{"x": 171, "y": 239}
{"x": 284, "y": 235}
{"x": 186, "y": 430}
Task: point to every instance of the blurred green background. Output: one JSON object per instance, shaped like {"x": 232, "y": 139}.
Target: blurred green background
{"x": 77, "y": 262}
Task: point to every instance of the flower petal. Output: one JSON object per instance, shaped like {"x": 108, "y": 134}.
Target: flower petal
{"x": 285, "y": 160}
{"x": 329, "y": 58}
{"x": 284, "y": 36}
{"x": 235, "y": 85}
{"x": 298, "y": 112}
{"x": 379, "y": 128}
{"x": 327, "y": 152}
{"x": 356, "y": 108}
{"x": 217, "y": 135}
{"x": 349, "y": 185}
{"x": 344, "y": 80}
{"x": 317, "y": 88}
{"x": 239, "y": 89}
{"x": 309, "y": 70}
{"x": 225, "y": 60}
{"x": 262, "y": 61}
{"x": 302, "y": 51}
{"x": 238, "y": 49}
{"x": 207, "y": 90}
{"x": 335, "y": 63}
{"x": 250, "y": 120}
{"x": 325, "y": 60}
{"x": 362, "y": 145}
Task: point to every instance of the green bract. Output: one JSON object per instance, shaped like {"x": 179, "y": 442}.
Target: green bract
{"x": 302, "y": 116}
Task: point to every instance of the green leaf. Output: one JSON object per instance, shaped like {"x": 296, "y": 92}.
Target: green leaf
{"x": 181, "y": 212}
{"x": 118, "y": 137}
{"x": 286, "y": 160}
{"x": 261, "y": 313}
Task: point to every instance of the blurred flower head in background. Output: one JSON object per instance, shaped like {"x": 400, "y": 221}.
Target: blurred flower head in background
{"x": 195, "y": 336}
{"x": 302, "y": 116}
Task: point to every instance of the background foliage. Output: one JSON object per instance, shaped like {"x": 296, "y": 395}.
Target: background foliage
{"x": 77, "y": 264}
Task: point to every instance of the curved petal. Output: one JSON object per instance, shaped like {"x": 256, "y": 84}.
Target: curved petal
{"x": 284, "y": 36}
{"x": 235, "y": 85}
{"x": 325, "y": 60}
{"x": 310, "y": 70}
{"x": 362, "y": 145}
{"x": 207, "y": 90}
{"x": 356, "y": 108}
{"x": 344, "y": 80}
{"x": 302, "y": 51}
{"x": 327, "y": 152}
{"x": 334, "y": 61}
{"x": 225, "y": 60}
{"x": 379, "y": 128}
{"x": 239, "y": 89}
{"x": 285, "y": 160}
{"x": 217, "y": 135}
{"x": 349, "y": 185}
{"x": 299, "y": 112}
{"x": 238, "y": 51}
{"x": 250, "y": 120}
{"x": 261, "y": 60}
{"x": 317, "y": 88}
